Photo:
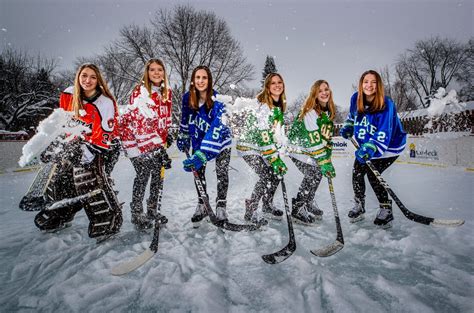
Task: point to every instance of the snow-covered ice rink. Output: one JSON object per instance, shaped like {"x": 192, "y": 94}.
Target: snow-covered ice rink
{"x": 408, "y": 268}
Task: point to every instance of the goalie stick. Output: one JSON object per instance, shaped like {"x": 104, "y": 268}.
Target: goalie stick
{"x": 409, "y": 214}
{"x": 339, "y": 243}
{"x": 287, "y": 251}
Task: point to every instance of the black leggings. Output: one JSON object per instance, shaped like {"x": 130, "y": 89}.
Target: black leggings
{"x": 146, "y": 166}
{"x": 358, "y": 182}
{"x": 267, "y": 184}
{"x": 309, "y": 185}
{"x": 222, "y": 172}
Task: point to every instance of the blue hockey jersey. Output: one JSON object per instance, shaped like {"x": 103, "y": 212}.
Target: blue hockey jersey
{"x": 383, "y": 128}
{"x": 205, "y": 129}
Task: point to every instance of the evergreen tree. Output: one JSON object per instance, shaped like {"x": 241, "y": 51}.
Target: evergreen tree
{"x": 269, "y": 67}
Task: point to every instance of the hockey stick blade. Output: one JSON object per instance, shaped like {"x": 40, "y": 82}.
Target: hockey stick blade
{"x": 133, "y": 264}
{"x": 288, "y": 250}
{"x": 339, "y": 243}
{"x": 447, "y": 223}
{"x": 212, "y": 216}
{"x": 141, "y": 259}
{"x": 280, "y": 256}
{"x": 328, "y": 250}
{"x": 238, "y": 227}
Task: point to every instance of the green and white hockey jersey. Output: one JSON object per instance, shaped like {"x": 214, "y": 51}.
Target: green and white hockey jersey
{"x": 309, "y": 140}
{"x": 258, "y": 137}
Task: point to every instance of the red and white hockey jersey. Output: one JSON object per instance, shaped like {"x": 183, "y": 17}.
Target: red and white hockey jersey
{"x": 99, "y": 114}
{"x": 144, "y": 126}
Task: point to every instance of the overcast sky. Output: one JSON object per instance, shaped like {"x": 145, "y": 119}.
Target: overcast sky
{"x": 334, "y": 40}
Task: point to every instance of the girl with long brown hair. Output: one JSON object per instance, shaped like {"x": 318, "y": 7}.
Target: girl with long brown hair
{"x": 374, "y": 123}
{"x": 144, "y": 135}
{"x": 257, "y": 146}
{"x": 309, "y": 146}
{"x": 203, "y": 130}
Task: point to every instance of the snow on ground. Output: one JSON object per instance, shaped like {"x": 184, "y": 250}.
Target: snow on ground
{"x": 408, "y": 268}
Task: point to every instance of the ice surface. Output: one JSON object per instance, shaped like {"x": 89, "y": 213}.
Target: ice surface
{"x": 408, "y": 268}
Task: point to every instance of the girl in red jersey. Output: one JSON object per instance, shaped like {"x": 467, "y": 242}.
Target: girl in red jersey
{"x": 90, "y": 93}
{"x": 144, "y": 135}
{"x": 83, "y": 160}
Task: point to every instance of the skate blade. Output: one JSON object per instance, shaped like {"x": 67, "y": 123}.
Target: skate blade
{"x": 297, "y": 221}
{"x": 357, "y": 219}
{"x": 197, "y": 224}
{"x": 273, "y": 217}
{"x": 385, "y": 226}
{"x": 144, "y": 230}
{"x": 318, "y": 218}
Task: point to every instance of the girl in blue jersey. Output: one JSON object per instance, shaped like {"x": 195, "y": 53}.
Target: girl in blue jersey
{"x": 202, "y": 129}
{"x": 374, "y": 122}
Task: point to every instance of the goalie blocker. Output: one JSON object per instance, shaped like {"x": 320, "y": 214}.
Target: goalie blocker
{"x": 92, "y": 191}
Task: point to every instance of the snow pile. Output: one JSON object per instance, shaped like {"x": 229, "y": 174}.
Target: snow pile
{"x": 54, "y": 127}
{"x": 440, "y": 101}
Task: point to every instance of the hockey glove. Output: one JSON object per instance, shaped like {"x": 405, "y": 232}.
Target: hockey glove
{"x": 365, "y": 152}
{"x": 347, "y": 130}
{"x": 196, "y": 161}
{"x": 279, "y": 167}
{"x": 327, "y": 168}
{"x": 183, "y": 142}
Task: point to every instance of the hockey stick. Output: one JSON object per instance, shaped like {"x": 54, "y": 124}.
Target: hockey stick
{"x": 205, "y": 199}
{"x": 34, "y": 200}
{"x": 409, "y": 214}
{"x": 288, "y": 250}
{"x": 139, "y": 260}
{"x": 339, "y": 243}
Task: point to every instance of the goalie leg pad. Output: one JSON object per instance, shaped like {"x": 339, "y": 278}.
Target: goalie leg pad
{"x": 103, "y": 209}
{"x": 55, "y": 219}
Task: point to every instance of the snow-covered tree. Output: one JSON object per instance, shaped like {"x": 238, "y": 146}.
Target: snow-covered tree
{"x": 183, "y": 38}
{"x": 27, "y": 93}
{"x": 465, "y": 77}
{"x": 268, "y": 68}
{"x": 431, "y": 64}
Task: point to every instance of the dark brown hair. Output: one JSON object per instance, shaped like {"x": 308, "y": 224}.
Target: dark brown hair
{"x": 193, "y": 92}
{"x": 378, "y": 103}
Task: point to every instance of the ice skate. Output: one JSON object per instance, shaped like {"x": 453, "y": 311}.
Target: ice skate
{"x": 384, "y": 216}
{"x": 141, "y": 222}
{"x": 198, "y": 215}
{"x": 356, "y": 214}
{"x": 156, "y": 215}
{"x": 139, "y": 219}
{"x": 315, "y": 210}
{"x": 221, "y": 213}
{"x": 300, "y": 213}
{"x": 272, "y": 211}
{"x": 252, "y": 215}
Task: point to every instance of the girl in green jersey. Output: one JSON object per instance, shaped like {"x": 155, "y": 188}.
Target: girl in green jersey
{"x": 258, "y": 146}
{"x": 309, "y": 146}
